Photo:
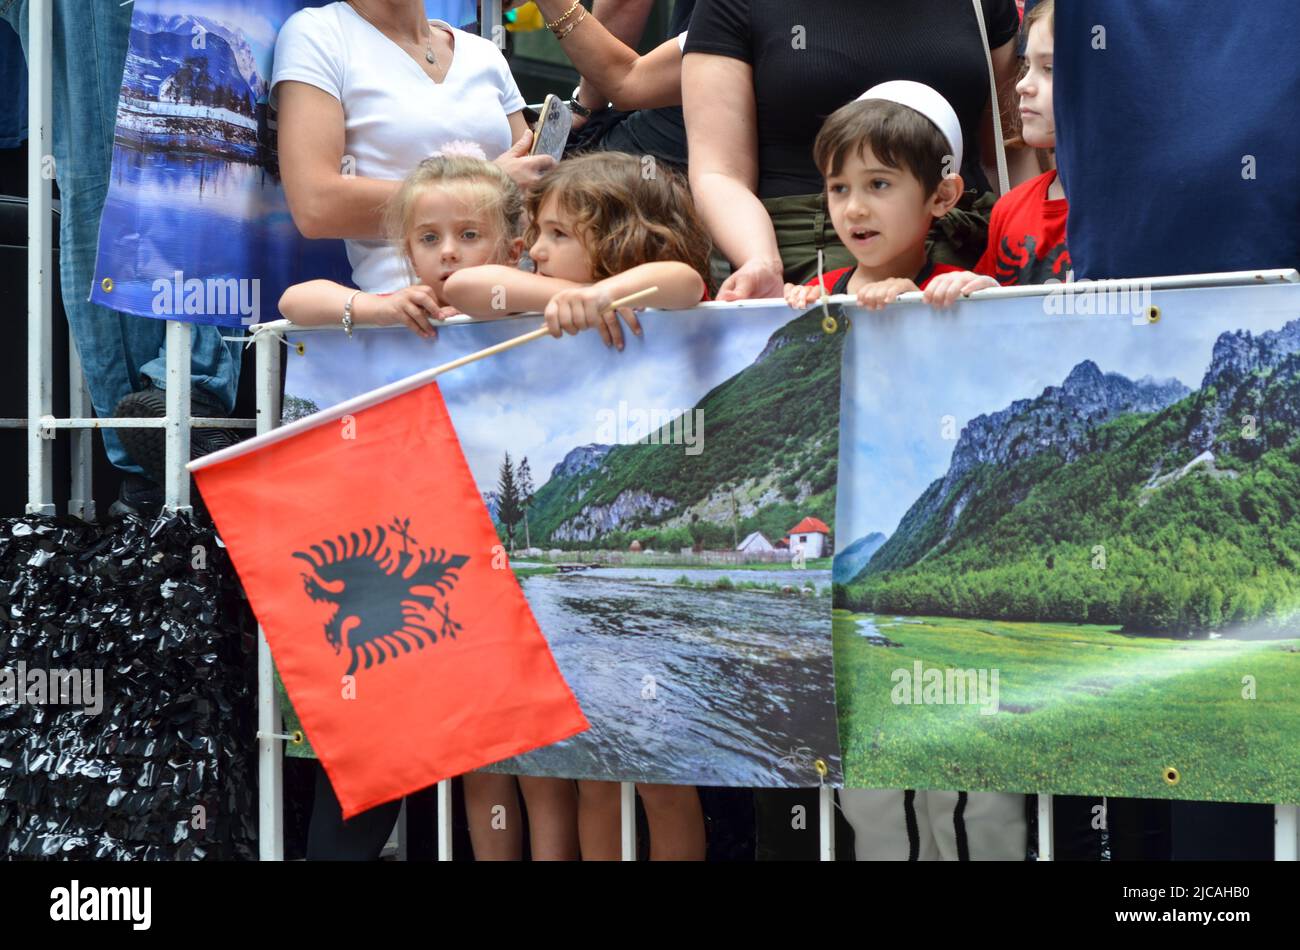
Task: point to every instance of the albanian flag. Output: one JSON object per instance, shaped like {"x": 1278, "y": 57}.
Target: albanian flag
{"x": 400, "y": 632}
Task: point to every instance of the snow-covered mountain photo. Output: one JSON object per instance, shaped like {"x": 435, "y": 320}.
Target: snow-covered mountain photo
{"x": 198, "y": 84}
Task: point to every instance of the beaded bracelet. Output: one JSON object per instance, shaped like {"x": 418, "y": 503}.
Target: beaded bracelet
{"x": 347, "y": 313}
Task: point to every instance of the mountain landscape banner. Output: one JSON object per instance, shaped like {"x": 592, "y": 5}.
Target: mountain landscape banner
{"x": 669, "y": 512}
{"x": 195, "y": 225}
{"x": 1069, "y": 547}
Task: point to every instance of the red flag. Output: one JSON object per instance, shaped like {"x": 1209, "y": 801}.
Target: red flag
{"x": 400, "y": 632}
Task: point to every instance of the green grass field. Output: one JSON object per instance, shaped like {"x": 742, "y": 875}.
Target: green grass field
{"x": 531, "y": 569}
{"x": 1082, "y": 710}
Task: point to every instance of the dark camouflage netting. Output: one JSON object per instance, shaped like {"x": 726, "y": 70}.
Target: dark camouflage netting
{"x": 164, "y": 771}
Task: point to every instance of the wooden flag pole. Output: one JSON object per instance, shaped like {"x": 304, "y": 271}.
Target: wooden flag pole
{"x": 529, "y": 336}
{"x": 357, "y": 403}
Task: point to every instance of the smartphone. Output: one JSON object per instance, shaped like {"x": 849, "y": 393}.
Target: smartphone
{"x": 553, "y": 127}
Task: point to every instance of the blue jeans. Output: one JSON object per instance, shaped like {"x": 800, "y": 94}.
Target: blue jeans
{"x": 117, "y": 350}
{"x": 13, "y": 75}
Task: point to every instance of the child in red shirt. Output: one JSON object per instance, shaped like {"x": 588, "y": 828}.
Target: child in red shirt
{"x": 883, "y": 158}
{"x": 1027, "y": 228}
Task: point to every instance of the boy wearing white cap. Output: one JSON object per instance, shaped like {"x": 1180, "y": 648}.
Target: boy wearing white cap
{"x": 890, "y": 161}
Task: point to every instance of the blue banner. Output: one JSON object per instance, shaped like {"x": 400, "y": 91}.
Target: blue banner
{"x": 195, "y": 226}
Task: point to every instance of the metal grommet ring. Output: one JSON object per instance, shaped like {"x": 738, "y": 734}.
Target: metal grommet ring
{"x": 1171, "y": 775}
{"x": 298, "y": 737}
{"x": 829, "y": 324}
{"x": 822, "y": 769}
{"x": 107, "y": 284}
{"x": 301, "y": 348}
{"x": 1153, "y": 314}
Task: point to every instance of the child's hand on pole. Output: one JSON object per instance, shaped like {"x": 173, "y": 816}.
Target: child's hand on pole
{"x": 411, "y": 306}
{"x": 584, "y": 308}
{"x": 876, "y": 295}
{"x": 943, "y": 291}
{"x": 801, "y": 297}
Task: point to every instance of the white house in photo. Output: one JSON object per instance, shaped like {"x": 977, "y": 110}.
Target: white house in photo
{"x": 812, "y": 535}
{"x": 756, "y": 544}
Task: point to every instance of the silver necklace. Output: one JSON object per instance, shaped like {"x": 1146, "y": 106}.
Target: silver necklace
{"x": 429, "y": 56}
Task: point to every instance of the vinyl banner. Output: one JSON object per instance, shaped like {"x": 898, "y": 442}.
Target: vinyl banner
{"x": 195, "y": 225}
{"x": 669, "y": 513}
{"x": 1069, "y": 546}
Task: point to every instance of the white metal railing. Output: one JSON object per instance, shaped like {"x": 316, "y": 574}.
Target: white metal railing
{"x": 267, "y": 339}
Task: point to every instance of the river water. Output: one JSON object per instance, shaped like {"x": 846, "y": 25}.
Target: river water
{"x": 689, "y": 686}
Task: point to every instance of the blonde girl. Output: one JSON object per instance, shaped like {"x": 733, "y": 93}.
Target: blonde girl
{"x": 450, "y": 213}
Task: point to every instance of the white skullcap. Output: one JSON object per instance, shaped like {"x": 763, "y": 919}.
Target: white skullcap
{"x": 928, "y": 102}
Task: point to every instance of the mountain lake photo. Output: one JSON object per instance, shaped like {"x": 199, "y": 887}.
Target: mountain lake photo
{"x": 1088, "y": 527}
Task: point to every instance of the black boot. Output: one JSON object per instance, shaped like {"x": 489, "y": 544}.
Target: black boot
{"x": 148, "y": 447}
{"x": 138, "y": 497}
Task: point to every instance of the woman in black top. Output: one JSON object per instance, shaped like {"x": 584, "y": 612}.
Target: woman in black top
{"x": 760, "y": 76}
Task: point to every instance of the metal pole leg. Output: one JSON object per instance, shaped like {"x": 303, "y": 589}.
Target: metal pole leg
{"x": 176, "y": 491}
{"x": 444, "y": 820}
{"x": 1286, "y": 828}
{"x": 40, "y": 273}
{"x": 1045, "y": 828}
{"x": 270, "y": 764}
{"x": 270, "y": 767}
{"x": 81, "y": 504}
{"x": 627, "y": 819}
{"x": 826, "y": 815}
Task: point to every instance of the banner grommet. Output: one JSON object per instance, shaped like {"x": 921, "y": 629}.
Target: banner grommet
{"x": 1171, "y": 775}
{"x": 1153, "y": 314}
{"x": 107, "y": 284}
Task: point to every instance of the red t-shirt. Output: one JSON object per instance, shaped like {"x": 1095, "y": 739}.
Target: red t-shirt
{"x": 837, "y": 281}
{"x": 1027, "y": 236}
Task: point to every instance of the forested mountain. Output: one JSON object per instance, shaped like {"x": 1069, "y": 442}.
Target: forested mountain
{"x": 1109, "y": 501}
{"x": 770, "y": 443}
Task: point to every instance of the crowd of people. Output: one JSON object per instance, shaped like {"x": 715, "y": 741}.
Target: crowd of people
{"x": 762, "y": 150}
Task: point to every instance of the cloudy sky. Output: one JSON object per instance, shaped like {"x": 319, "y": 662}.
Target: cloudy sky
{"x": 546, "y": 397}
{"x": 915, "y": 366}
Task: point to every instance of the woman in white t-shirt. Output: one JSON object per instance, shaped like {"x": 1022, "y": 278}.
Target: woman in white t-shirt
{"x": 365, "y": 91}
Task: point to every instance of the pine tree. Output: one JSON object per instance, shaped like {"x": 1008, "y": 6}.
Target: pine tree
{"x": 508, "y": 508}
{"x": 525, "y": 479}
{"x": 735, "y": 521}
